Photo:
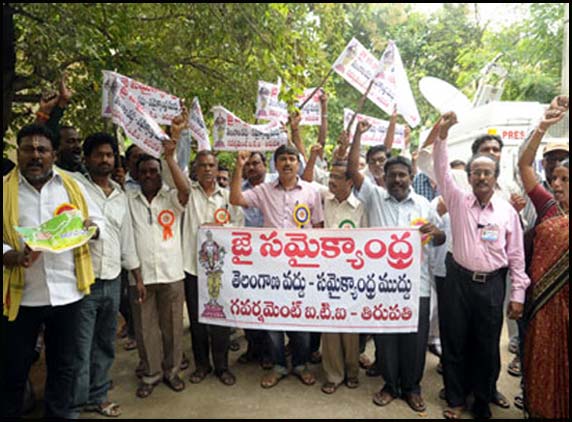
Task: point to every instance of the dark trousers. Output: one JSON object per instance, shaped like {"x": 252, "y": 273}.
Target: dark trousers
{"x": 98, "y": 319}
{"x": 315, "y": 340}
{"x": 470, "y": 322}
{"x": 201, "y": 333}
{"x": 18, "y": 344}
{"x": 258, "y": 345}
{"x": 403, "y": 355}
{"x": 125, "y": 304}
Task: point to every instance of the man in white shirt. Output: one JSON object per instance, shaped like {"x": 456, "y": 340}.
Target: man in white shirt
{"x": 98, "y": 311}
{"x": 402, "y": 355}
{"x": 156, "y": 212}
{"x": 208, "y": 203}
{"x": 53, "y": 284}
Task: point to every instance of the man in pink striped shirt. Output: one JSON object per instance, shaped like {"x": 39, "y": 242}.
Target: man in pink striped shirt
{"x": 279, "y": 201}
{"x": 487, "y": 242}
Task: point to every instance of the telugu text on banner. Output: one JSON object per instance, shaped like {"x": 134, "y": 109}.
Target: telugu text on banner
{"x": 390, "y": 84}
{"x": 128, "y": 113}
{"x": 161, "y": 106}
{"x": 343, "y": 280}
{"x": 377, "y": 132}
{"x": 233, "y": 134}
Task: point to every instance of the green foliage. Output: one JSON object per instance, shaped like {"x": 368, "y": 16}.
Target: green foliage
{"x": 219, "y": 51}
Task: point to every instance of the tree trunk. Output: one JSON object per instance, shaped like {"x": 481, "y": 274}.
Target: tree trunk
{"x": 8, "y": 65}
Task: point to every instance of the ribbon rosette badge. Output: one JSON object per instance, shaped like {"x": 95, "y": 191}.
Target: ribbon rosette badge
{"x": 418, "y": 222}
{"x": 347, "y": 224}
{"x": 166, "y": 219}
{"x": 302, "y": 215}
{"x": 221, "y": 216}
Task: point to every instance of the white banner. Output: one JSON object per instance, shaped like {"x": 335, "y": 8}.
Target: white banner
{"x": 197, "y": 126}
{"x": 269, "y": 107}
{"x": 233, "y": 134}
{"x": 406, "y": 105}
{"x": 128, "y": 113}
{"x": 312, "y": 111}
{"x": 361, "y": 281}
{"x": 377, "y": 132}
{"x": 159, "y": 105}
{"x": 359, "y": 67}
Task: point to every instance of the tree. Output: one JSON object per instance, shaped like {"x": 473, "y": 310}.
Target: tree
{"x": 219, "y": 51}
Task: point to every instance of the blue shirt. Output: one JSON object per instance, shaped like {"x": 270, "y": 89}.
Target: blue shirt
{"x": 422, "y": 186}
{"x": 383, "y": 210}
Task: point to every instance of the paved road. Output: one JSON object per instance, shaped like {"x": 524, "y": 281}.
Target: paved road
{"x": 289, "y": 399}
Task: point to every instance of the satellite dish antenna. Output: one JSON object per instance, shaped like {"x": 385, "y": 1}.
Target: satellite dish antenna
{"x": 444, "y": 96}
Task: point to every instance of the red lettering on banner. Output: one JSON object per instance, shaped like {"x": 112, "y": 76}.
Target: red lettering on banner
{"x": 325, "y": 312}
{"x": 358, "y": 263}
{"x": 296, "y": 310}
{"x": 273, "y": 247}
{"x": 331, "y": 246}
{"x": 400, "y": 252}
{"x": 294, "y": 263}
{"x": 241, "y": 246}
{"x": 371, "y": 253}
{"x": 300, "y": 247}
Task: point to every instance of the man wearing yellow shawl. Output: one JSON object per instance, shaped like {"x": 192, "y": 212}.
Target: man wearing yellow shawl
{"x": 41, "y": 288}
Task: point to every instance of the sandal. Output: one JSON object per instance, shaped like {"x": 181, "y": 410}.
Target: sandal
{"x": 176, "y": 383}
{"x": 227, "y": 377}
{"x": 519, "y": 402}
{"x": 199, "y": 375}
{"x": 267, "y": 364}
{"x": 270, "y": 379}
{"x": 245, "y": 358}
{"x": 306, "y": 376}
{"x": 130, "y": 344}
{"x": 352, "y": 382}
{"x": 500, "y": 400}
{"x": 373, "y": 371}
{"x": 144, "y": 390}
{"x": 140, "y": 370}
{"x": 453, "y": 412}
{"x": 185, "y": 362}
{"x": 330, "y": 387}
{"x": 415, "y": 402}
{"x": 514, "y": 368}
{"x": 383, "y": 397}
{"x": 109, "y": 409}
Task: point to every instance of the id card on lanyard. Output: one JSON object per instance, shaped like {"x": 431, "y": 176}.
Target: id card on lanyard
{"x": 490, "y": 233}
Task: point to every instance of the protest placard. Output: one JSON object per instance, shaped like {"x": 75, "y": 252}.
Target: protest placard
{"x": 269, "y": 107}
{"x": 128, "y": 113}
{"x": 377, "y": 132}
{"x": 390, "y": 84}
{"x": 233, "y": 134}
{"x": 344, "y": 280}
{"x": 161, "y": 106}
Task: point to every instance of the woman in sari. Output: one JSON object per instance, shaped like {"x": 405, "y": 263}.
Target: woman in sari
{"x": 546, "y": 361}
